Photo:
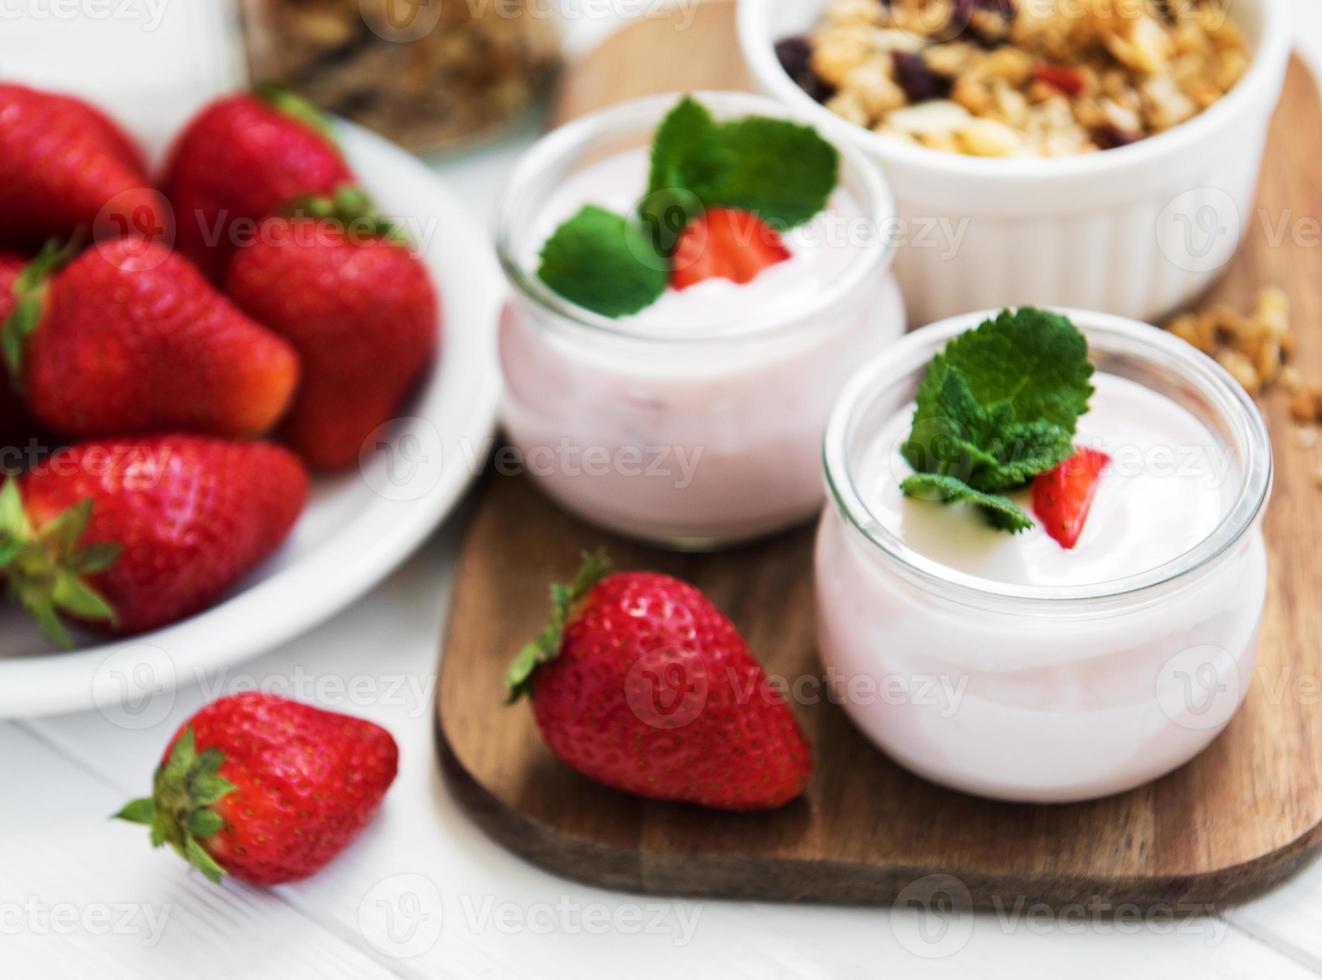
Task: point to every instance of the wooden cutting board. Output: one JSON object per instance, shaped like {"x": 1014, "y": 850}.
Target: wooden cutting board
{"x": 1233, "y": 822}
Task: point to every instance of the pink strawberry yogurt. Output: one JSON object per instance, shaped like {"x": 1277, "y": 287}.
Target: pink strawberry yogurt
{"x": 697, "y": 421}
{"x": 1049, "y": 674}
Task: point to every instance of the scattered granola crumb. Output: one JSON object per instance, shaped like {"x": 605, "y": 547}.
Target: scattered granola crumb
{"x": 1255, "y": 349}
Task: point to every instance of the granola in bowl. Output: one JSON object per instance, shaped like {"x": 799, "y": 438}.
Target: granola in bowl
{"x": 1018, "y": 78}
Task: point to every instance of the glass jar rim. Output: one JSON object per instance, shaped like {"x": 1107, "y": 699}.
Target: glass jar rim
{"x": 1155, "y": 346}
{"x": 559, "y": 147}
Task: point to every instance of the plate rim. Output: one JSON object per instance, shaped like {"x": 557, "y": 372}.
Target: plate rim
{"x": 36, "y": 685}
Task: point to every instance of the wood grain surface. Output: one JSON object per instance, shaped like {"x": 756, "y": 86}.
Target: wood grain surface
{"x": 1241, "y": 816}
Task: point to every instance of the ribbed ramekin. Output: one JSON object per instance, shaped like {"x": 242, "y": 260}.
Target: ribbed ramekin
{"x": 1136, "y": 231}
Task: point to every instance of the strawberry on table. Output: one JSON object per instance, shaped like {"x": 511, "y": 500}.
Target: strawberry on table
{"x": 238, "y": 161}
{"x": 725, "y": 243}
{"x": 266, "y": 789}
{"x": 61, "y": 163}
{"x": 130, "y": 535}
{"x": 1063, "y": 496}
{"x": 639, "y": 682}
{"x": 358, "y": 307}
{"x": 129, "y": 338}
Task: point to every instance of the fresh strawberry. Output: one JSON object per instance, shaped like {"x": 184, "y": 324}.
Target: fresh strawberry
{"x": 266, "y": 789}
{"x": 16, "y": 425}
{"x": 130, "y": 339}
{"x": 237, "y": 162}
{"x": 639, "y": 682}
{"x": 1069, "y": 81}
{"x": 1063, "y": 496}
{"x": 130, "y": 535}
{"x": 360, "y": 309}
{"x": 725, "y": 243}
{"x": 66, "y": 168}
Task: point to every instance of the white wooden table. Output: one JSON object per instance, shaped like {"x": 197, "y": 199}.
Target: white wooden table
{"x": 423, "y": 893}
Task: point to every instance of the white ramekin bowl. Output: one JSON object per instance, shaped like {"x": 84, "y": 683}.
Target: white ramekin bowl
{"x": 1135, "y": 231}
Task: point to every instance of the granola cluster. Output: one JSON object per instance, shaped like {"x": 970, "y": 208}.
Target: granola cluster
{"x": 999, "y": 78}
{"x": 1256, "y": 348}
{"x": 454, "y": 71}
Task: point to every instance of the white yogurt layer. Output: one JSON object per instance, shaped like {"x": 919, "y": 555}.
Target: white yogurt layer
{"x": 821, "y": 250}
{"x": 1169, "y": 484}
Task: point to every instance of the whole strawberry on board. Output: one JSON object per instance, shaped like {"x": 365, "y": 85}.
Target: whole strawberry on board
{"x": 66, "y": 167}
{"x": 16, "y": 424}
{"x": 128, "y": 338}
{"x": 266, "y": 789}
{"x": 639, "y": 682}
{"x": 358, "y": 306}
{"x": 238, "y": 161}
{"x": 129, "y": 535}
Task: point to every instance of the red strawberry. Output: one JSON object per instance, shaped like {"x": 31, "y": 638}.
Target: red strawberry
{"x": 725, "y": 243}
{"x": 159, "y": 527}
{"x": 61, "y": 163}
{"x": 1063, "y": 496}
{"x": 360, "y": 310}
{"x": 237, "y": 162}
{"x": 16, "y": 425}
{"x": 130, "y": 339}
{"x": 640, "y": 683}
{"x": 266, "y": 789}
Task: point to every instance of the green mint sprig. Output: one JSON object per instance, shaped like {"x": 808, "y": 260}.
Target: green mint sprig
{"x": 997, "y": 407}
{"x": 781, "y": 171}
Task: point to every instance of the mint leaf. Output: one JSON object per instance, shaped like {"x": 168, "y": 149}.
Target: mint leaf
{"x": 1035, "y": 360}
{"x": 983, "y": 446}
{"x": 1023, "y": 450}
{"x": 685, "y": 155}
{"x": 604, "y": 262}
{"x": 1000, "y": 512}
{"x": 997, "y": 407}
{"x": 780, "y": 170}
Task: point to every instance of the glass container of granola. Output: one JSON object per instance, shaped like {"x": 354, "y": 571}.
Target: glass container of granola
{"x": 427, "y": 74}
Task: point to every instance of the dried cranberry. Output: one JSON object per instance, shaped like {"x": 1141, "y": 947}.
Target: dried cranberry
{"x": 918, "y": 80}
{"x": 795, "y": 57}
{"x": 1110, "y": 137}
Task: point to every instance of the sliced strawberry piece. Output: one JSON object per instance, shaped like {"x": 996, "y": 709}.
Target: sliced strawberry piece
{"x": 1063, "y": 496}
{"x": 725, "y": 243}
{"x": 1068, "y": 80}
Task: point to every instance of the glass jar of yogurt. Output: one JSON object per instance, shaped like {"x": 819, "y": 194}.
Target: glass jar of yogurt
{"x": 1007, "y": 666}
{"x": 696, "y": 422}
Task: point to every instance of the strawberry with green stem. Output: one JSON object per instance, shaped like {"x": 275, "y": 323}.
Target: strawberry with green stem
{"x": 129, "y": 535}
{"x": 639, "y": 682}
{"x": 266, "y": 789}
{"x": 128, "y": 338}
{"x": 342, "y": 286}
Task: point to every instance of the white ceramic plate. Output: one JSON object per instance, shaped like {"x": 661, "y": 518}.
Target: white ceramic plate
{"x": 358, "y": 526}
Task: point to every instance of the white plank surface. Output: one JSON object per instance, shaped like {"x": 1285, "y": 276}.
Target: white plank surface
{"x": 423, "y": 893}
